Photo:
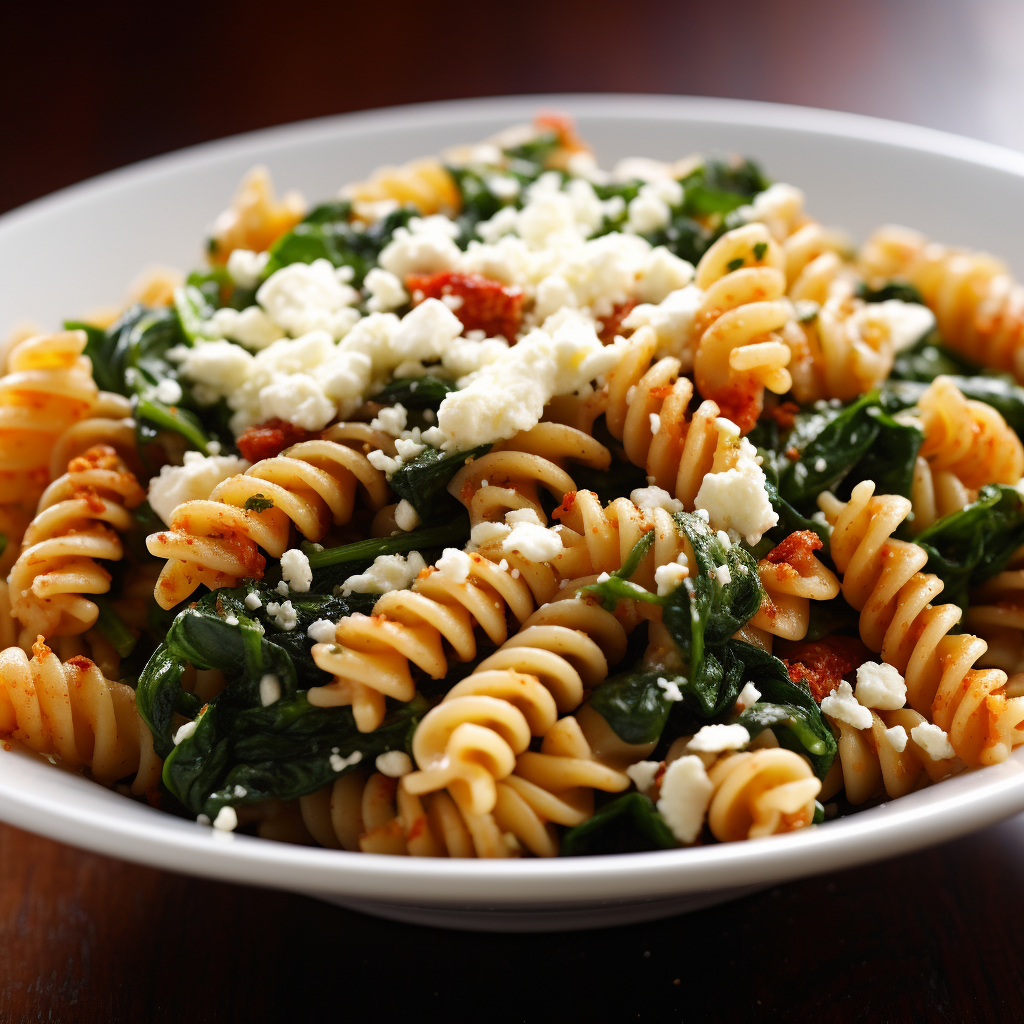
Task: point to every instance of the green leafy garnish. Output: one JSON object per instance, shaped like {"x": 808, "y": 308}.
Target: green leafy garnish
{"x": 259, "y": 503}
{"x": 627, "y": 824}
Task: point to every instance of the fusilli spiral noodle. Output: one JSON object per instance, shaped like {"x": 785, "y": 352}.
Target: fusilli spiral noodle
{"x": 968, "y": 438}
{"x": 78, "y": 521}
{"x": 792, "y": 577}
{"x": 881, "y": 578}
{"x": 256, "y": 218}
{"x": 761, "y": 793}
{"x": 739, "y": 350}
{"x": 48, "y": 387}
{"x": 977, "y": 304}
{"x": 216, "y": 541}
{"x": 509, "y": 476}
{"x": 70, "y": 711}
{"x": 426, "y": 184}
{"x": 935, "y": 493}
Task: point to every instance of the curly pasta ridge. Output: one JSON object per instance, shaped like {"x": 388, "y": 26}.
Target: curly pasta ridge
{"x": 70, "y": 711}
{"x": 761, "y": 793}
{"x": 881, "y": 578}
{"x": 311, "y": 484}
{"x": 48, "y": 387}
{"x": 792, "y": 577}
{"x": 511, "y": 474}
{"x": 78, "y": 521}
{"x": 977, "y": 304}
{"x": 968, "y": 438}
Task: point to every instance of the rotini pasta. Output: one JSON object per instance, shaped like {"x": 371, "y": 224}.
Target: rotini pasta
{"x": 76, "y": 526}
{"x": 473, "y": 501}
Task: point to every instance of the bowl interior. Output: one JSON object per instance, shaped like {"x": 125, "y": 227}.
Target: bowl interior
{"x": 80, "y": 249}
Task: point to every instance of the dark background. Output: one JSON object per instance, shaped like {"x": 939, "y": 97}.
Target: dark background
{"x": 83, "y": 938}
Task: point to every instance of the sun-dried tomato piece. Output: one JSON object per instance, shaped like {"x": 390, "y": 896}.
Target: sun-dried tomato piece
{"x": 795, "y": 548}
{"x": 265, "y": 440}
{"x": 481, "y": 303}
{"x": 822, "y": 664}
{"x": 611, "y": 325}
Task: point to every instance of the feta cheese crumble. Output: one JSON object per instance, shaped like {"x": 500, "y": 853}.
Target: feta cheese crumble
{"x": 842, "y": 705}
{"x": 880, "y": 686}
{"x": 533, "y": 541}
{"x": 933, "y": 741}
{"x": 737, "y": 499}
{"x": 185, "y": 731}
{"x": 655, "y": 497}
{"x": 896, "y": 737}
{"x": 226, "y": 820}
{"x": 296, "y": 571}
{"x": 339, "y": 763}
{"x": 393, "y": 763}
{"x": 388, "y": 572}
{"x": 685, "y": 795}
{"x": 454, "y": 565}
{"x": 642, "y": 775}
{"x": 322, "y": 631}
{"x": 193, "y": 481}
{"x": 669, "y": 577}
{"x": 749, "y": 695}
{"x": 252, "y": 602}
{"x": 713, "y": 739}
{"x": 284, "y": 615}
{"x": 406, "y": 516}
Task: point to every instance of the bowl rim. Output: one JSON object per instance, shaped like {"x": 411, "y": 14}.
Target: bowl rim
{"x": 156, "y": 838}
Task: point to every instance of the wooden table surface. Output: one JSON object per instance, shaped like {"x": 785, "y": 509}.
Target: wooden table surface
{"x": 84, "y": 938}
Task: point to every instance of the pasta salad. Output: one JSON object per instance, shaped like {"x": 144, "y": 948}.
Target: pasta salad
{"x": 507, "y": 506}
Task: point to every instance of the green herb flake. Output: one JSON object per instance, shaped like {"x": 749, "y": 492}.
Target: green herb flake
{"x": 759, "y": 250}
{"x": 259, "y": 503}
{"x": 735, "y": 264}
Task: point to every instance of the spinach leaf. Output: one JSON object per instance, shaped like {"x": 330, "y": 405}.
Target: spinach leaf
{"x": 130, "y": 358}
{"x": 415, "y": 392}
{"x": 620, "y": 478}
{"x": 794, "y": 716}
{"x": 968, "y": 547}
{"x": 423, "y": 482}
{"x": 282, "y": 751}
{"x": 327, "y": 234}
{"x": 890, "y": 290}
{"x": 333, "y": 566}
{"x": 628, "y": 824}
{"x": 634, "y": 705}
{"x": 858, "y": 442}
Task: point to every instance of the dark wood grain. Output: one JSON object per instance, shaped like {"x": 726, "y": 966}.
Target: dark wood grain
{"x": 83, "y": 938}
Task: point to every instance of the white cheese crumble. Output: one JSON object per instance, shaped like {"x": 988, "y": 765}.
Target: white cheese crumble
{"x": 426, "y": 246}
{"x": 240, "y": 792}
{"x": 388, "y": 572}
{"x": 193, "y": 481}
{"x": 897, "y": 738}
{"x": 406, "y": 516}
{"x": 393, "y": 763}
{"x": 509, "y": 394}
{"x": 252, "y": 601}
{"x": 713, "y": 739}
{"x": 737, "y": 499}
{"x": 820, "y": 465}
{"x": 185, "y": 731}
{"x": 304, "y": 297}
{"x": 391, "y": 420}
{"x": 485, "y": 533}
{"x": 270, "y": 689}
{"x": 284, "y": 615}
{"x": 902, "y": 324}
{"x": 933, "y": 741}
{"x": 655, "y": 497}
{"x": 385, "y": 291}
{"x": 749, "y": 695}
{"x": 723, "y": 575}
{"x": 665, "y": 273}
{"x": 671, "y": 319}
{"x": 246, "y": 267}
{"x": 880, "y": 685}
{"x": 296, "y": 570}
{"x": 841, "y": 704}
{"x": 322, "y": 631}
{"x": 339, "y": 763}
{"x": 226, "y": 820}
{"x": 685, "y": 794}
{"x": 454, "y": 565}
{"x": 669, "y": 577}
{"x": 670, "y": 689}
{"x": 168, "y": 391}
{"x": 655, "y": 421}
{"x": 642, "y": 774}
{"x": 250, "y": 327}
{"x": 532, "y": 541}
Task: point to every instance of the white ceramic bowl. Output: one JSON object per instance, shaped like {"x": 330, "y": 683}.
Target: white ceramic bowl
{"x": 81, "y": 247}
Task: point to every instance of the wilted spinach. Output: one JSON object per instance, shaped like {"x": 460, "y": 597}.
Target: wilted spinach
{"x": 968, "y": 547}
{"x": 627, "y": 824}
{"x": 424, "y": 480}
